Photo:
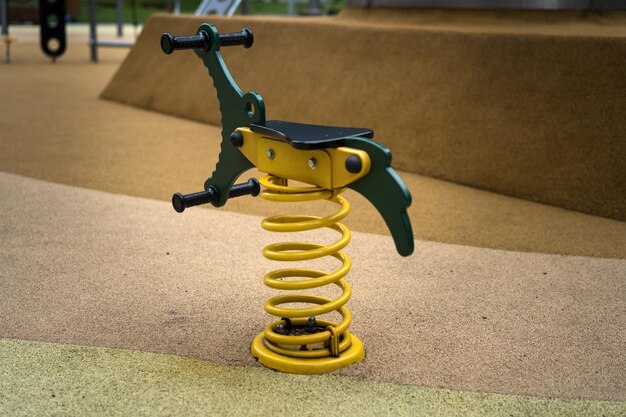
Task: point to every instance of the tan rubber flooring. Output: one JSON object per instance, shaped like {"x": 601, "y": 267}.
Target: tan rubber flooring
{"x": 90, "y": 268}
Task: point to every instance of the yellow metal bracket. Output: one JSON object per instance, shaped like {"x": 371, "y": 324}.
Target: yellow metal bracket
{"x": 325, "y": 168}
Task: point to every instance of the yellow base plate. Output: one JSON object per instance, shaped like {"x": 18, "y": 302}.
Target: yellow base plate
{"x": 355, "y": 353}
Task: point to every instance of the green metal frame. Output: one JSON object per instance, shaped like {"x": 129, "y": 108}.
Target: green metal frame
{"x": 237, "y": 109}
{"x": 381, "y": 186}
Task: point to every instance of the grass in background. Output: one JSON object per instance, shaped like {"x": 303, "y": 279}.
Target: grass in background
{"x": 106, "y": 9}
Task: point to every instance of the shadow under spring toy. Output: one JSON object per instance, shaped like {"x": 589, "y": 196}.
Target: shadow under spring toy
{"x": 328, "y": 160}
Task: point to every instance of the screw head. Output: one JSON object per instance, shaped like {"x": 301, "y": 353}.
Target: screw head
{"x": 354, "y": 164}
{"x": 236, "y": 138}
{"x": 312, "y": 163}
{"x": 270, "y": 153}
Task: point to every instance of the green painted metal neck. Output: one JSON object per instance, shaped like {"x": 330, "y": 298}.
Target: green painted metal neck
{"x": 237, "y": 109}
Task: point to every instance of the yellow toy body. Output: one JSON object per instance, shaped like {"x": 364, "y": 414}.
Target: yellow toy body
{"x": 322, "y": 167}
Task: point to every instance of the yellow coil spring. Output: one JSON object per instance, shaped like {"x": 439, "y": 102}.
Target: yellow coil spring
{"x": 335, "y": 338}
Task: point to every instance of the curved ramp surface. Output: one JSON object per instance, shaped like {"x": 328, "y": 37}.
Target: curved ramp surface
{"x": 99, "y": 269}
{"x": 527, "y": 109}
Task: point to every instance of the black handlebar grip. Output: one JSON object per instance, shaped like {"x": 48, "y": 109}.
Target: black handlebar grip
{"x": 181, "y": 202}
{"x": 171, "y": 43}
{"x": 250, "y": 187}
{"x": 245, "y": 38}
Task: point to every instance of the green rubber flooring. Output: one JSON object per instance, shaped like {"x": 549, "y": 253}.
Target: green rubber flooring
{"x": 47, "y": 379}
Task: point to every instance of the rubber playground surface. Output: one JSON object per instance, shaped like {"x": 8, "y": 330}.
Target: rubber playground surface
{"x": 113, "y": 304}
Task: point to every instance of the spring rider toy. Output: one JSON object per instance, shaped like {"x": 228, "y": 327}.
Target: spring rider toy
{"x": 327, "y": 160}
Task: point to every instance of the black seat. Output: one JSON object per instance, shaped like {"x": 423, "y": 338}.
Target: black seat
{"x": 302, "y": 136}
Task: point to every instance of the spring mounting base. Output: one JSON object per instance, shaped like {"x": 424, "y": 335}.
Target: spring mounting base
{"x": 355, "y": 353}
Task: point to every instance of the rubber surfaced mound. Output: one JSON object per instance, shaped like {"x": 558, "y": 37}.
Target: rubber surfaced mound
{"x": 526, "y": 105}
{"x": 113, "y": 304}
